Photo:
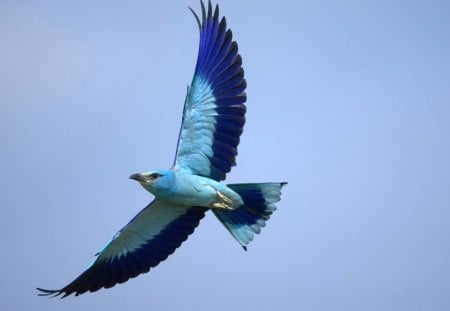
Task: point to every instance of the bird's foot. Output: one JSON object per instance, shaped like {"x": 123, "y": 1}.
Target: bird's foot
{"x": 224, "y": 202}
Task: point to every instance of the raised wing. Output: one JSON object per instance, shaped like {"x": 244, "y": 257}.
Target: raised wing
{"x": 213, "y": 115}
{"x": 149, "y": 238}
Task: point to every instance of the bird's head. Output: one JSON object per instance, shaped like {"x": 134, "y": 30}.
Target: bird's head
{"x": 158, "y": 182}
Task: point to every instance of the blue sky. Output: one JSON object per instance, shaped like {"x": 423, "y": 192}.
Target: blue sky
{"x": 348, "y": 101}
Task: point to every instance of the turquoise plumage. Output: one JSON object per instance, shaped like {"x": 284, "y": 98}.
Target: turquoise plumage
{"x": 213, "y": 120}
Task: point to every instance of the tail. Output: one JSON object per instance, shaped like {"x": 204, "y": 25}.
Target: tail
{"x": 259, "y": 203}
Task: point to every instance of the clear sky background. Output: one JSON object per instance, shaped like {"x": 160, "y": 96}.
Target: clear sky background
{"x": 348, "y": 101}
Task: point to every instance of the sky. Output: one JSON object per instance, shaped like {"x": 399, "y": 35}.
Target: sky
{"x": 348, "y": 101}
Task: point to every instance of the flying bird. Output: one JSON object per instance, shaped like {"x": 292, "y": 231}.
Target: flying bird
{"x": 212, "y": 122}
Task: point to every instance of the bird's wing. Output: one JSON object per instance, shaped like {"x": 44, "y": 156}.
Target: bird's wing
{"x": 149, "y": 238}
{"x": 213, "y": 114}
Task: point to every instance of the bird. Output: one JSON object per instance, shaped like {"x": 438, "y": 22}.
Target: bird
{"x": 212, "y": 123}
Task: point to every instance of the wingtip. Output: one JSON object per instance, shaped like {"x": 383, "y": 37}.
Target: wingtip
{"x": 49, "y": 292}
{"x": 196, "y": 18}
{"x": 203, "y": 10}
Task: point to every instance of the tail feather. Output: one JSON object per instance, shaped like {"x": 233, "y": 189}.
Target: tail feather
{"x": 259, "y": 204}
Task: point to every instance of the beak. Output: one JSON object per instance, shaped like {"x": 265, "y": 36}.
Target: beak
{"x": 139, "y": 177}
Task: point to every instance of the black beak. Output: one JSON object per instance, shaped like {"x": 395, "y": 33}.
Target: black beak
{"x": 139, "y": 177}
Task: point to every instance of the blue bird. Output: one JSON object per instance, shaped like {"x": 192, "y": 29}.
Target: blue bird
{"x": 213, "y": 120}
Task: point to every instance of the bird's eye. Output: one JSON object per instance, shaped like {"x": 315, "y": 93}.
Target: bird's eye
{"x": 154, "y": 175}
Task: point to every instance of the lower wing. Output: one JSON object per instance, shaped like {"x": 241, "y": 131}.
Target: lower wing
{"x": 149, "y": 238}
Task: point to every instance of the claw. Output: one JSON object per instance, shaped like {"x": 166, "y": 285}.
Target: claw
{"x": 221, "y": 206}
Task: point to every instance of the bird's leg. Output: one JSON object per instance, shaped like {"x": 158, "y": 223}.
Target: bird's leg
{"x": 224, "y": 197}
{"x": 223, "y": 203}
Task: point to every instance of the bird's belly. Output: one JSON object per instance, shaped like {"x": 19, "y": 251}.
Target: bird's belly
{"x": 200, "y": 191}
{"x": 192, "y": 195}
